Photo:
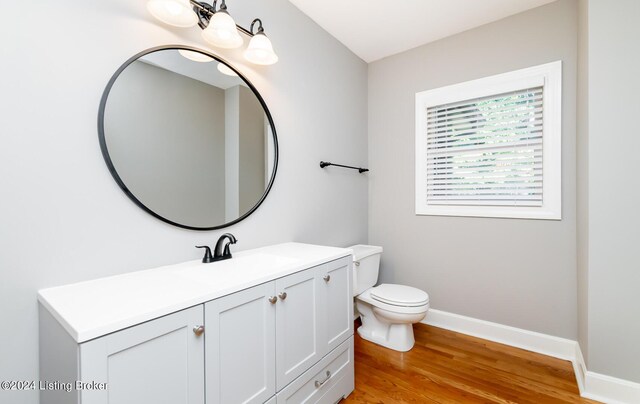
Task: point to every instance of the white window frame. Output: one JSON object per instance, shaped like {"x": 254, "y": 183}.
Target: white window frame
{"x": 547, "y": 75}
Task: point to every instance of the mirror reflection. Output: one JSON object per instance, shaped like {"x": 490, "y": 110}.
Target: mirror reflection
{"x": 188, "y": 139}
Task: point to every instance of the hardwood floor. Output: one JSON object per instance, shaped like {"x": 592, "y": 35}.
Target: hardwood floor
{"x": 448, "y": 367}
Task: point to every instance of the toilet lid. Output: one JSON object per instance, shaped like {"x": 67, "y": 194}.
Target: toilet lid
{"x": 399, "y": 295}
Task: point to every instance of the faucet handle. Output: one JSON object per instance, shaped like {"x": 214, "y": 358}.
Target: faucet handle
{"x": 208, "y": 257}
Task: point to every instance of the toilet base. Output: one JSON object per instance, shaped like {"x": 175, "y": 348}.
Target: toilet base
{"x": 402, "y": 344}
{"x": 397, "y": 336}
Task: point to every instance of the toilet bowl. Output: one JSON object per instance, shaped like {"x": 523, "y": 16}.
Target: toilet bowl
{"x": 387, "y": 311}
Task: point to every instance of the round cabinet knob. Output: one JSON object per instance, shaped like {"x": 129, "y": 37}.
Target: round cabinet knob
{"x": 327, "y": 278}
{"x": 273, "y": 299}
{"x": 357, "y": 263}
{"x": 198, "y": 330}
{"x": 282, "y": 295}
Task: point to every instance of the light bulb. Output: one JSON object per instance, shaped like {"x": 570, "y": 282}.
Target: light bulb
{"x": 173, "y": 12}
{"x": 222, "y": 31}
{"x": 260, "y": 51}
{"x": 224, "y": 69}
{"x": 195, "y": 56}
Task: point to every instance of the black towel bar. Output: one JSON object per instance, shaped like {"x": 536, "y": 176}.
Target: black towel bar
{"x": 361, "y": 170}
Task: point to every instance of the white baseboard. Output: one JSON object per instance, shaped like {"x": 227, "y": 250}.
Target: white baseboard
{"x": 610, "y": 389}
{"x": 580, "y": 369}
{"x": 592, "y": 385}
{"x": 531, "y": 341}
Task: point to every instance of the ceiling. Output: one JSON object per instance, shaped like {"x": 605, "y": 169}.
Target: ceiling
{"x": 374, "y": 29}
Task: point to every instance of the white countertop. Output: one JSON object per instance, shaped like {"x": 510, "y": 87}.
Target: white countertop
{"x": 91, "y": 309}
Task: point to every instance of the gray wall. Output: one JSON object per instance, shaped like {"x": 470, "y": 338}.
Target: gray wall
{"x": 614, "y": 272}
{"x": 65, "y": 219}
{"x": 582, "y": 188}
{"x": 245, "y": 151}
{"x": 516, "y": 272}
{"x": 165, "y": 135}
{"x": 251, "y": 148}
{"x": 232, "y": 152}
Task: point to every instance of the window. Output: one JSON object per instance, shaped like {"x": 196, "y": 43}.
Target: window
{"x": 491, "y": 147}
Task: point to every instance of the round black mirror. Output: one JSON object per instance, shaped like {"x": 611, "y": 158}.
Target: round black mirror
{"x": 188, "y": 138}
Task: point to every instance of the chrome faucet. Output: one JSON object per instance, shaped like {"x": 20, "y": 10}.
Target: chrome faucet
{"x": 222, "y": 251}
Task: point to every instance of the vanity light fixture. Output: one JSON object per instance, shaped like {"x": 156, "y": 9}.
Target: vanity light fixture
{"x": 218, "y": 28}
{"x": 195, "y": 56}
{"x": 173, "y": 12}
{"x": 224, "y": 69}
{"x": 260, "y": 51}
{"x": 221, "y": 30}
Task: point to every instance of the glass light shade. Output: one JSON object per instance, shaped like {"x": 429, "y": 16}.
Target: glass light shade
{"x": 224, "y": 69}
{"x": 173, "y": 12}
{"x": 260, "y": 51}
{"x": 222, "y": 32}
{"x": 195, "y": 56}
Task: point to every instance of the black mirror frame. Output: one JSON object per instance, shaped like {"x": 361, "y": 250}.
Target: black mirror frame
{"x": 112, "y": 169}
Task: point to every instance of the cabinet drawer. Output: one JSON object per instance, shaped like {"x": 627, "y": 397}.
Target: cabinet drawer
{"x": 326, "y": 382}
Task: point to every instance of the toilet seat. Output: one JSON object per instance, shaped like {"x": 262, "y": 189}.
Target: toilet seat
{"x": 399, "y": 295}
{"x": 367, "y": 298}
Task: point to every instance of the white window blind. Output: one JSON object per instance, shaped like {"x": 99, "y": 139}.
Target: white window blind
{"x": 491, "y": 147}
{"x": 486, "y": 151}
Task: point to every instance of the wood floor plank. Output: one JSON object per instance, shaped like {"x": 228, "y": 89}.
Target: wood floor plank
{"x": 449, "y": 367}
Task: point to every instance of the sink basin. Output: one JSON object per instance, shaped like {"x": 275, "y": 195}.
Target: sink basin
{"x": 239, "y": 267}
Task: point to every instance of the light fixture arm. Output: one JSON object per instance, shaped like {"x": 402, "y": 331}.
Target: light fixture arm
{"x": 260, "y": 29}
{"x": 205, "y": 11}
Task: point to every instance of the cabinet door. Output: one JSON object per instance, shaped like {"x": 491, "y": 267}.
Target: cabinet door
{"x": 240, "y": 346}
{"x": 297, "y": 325}
{"x": 160, "y": 361}
{"x": 336, "y": 303}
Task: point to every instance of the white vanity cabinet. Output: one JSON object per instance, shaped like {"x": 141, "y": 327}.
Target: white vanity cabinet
{"x": 241, "y": 346}
{"x": 288, "y": 325}
{"x": 298, "y": 326}
{"x": 161, "y": 361}
{"x": 336, "y": 293}
{"x": 277, "y": 330}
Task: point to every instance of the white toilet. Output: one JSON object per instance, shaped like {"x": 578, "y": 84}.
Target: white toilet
{"x": 387, "y": 311}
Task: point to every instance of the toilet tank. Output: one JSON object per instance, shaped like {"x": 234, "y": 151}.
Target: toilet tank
{"x": 366, "y": 263}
